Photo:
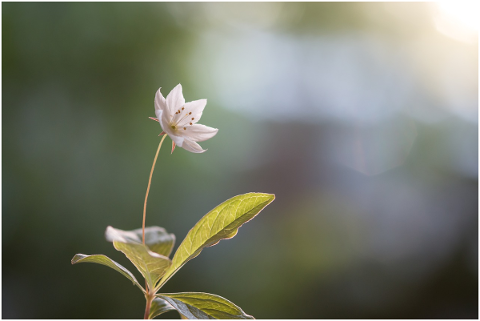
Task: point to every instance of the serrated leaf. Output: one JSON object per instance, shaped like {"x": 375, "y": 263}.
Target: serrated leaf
{"x": 158, "y": 307}
{"x": 199, "y": 305}
{"x": 105, "y": 260}
{"x": 220, "y": 223}
{"x": 156, "y": 238}
{"x": 152, "y": 265}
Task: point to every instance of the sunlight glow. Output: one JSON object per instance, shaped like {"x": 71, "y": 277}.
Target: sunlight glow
{"x": 458, "y": 19}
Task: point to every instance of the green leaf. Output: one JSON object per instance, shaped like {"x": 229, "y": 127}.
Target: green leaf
{"x": 158, "y": 307}
{"x": 156, "y": 238}
{"x": 199, "y": 305}
{"x": 220, "y": 223}
{"x": 105, "y": 260}
{"x": 152, "y": 265}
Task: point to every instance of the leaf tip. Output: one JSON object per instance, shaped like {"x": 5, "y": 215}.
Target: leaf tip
{"x": 77, "y": 258}
{"x": 269, "y": 195}
{"x": 108, "y": 233}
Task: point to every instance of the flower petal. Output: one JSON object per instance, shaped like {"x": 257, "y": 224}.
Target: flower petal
{"x": 178, "y": 140}
{"x": 159, "y": 114}
{"x": 199, "y": 133}
{"x": 191, "y": 146}
{"x": 193, "y": 112}
{"x": 160, "y": 102}
{"x": 175, "y": 99}
{"x": 167, "y": 128}
{"x": 164, "y": 119}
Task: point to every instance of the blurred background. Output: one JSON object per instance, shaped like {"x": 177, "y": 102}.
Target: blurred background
{"x": 362, "y": 118}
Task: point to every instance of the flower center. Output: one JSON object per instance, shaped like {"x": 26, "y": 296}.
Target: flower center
{"x": 180, "y": 119}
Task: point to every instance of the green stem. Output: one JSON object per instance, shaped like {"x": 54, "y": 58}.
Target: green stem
{"x": 148, "y": 190}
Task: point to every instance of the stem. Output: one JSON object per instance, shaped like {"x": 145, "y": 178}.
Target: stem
{"x": 149, "y": 298}
{"x": 146, "y": 197}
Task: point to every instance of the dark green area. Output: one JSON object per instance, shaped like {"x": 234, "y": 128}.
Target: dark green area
{"x": 360, "y": 118}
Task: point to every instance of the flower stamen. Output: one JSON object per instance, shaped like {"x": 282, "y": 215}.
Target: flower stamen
{"x": 175, "y": 123}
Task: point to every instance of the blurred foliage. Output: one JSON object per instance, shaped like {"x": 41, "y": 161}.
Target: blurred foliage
{"x": 361, "y": 118}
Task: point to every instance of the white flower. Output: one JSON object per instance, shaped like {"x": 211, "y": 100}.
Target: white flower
{"x": 179, "y": 120}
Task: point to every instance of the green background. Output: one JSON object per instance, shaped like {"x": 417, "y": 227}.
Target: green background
{"x": 360, "y": 118}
